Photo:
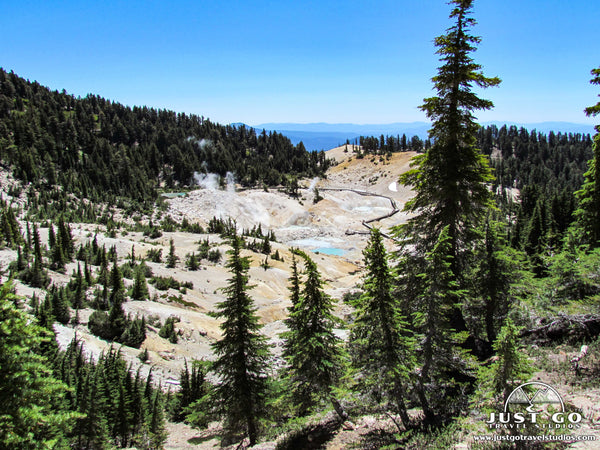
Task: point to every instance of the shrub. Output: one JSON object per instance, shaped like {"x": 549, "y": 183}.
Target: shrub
{"x": 167, "y": 331}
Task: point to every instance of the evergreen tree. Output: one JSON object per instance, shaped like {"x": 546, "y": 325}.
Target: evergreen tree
{"x": 167, "y": 331}
{"x": 57, "y": 256}
{"x": 535, "y": 240}
{"x": 314, "y": 357}
{"x": 157, "y": 432}
{"x": 496, "y": 272}
{"x": 65, "y": 238}
{"x": 60, "y": 305}
{"x": 113, "y": 326}
{"x": 87, "y": 273}
{"x": 509, "y": 369}
{"x": 451, "y": 179}
{"x": 92, "y": 431}
{"x": 140, "y": 287}
{"x": 37, "y": 277}
{"x": 51, "y": 237}
{"x": 78, "y": 298}
{"x": 294, "y": 289}
{"x": 242, "y": 353}
{"x": 266, "y": 246}
{"x": 441, "y": 359}
{"x": 132, "y": 256}
{"x": 30, "y": 397}
{"x": 193, "y": 387}
{"x": 588, "y": 212}
{"x": 381, "y": 346}
{"x": 20, "y": 263}
{"x": 10, "y": 231}
{"x": 192, "y": 262}
{"x": 172, "y": 257}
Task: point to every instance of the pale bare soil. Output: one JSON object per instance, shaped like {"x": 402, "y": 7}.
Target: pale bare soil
{"x": 296, "y": 222}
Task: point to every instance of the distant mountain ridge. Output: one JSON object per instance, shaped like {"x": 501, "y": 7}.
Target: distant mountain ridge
{"x": 324, "y": 136}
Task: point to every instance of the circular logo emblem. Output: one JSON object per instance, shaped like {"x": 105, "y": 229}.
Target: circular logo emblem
{"x": 534, "y": 397}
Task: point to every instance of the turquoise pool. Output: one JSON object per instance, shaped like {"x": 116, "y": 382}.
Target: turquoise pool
{"x": 330, "y": 251}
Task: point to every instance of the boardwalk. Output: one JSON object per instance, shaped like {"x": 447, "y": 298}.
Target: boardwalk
{"x": 367, "y": 223}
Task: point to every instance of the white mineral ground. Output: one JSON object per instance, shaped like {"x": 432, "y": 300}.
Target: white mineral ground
{"x": 295, "y": 222}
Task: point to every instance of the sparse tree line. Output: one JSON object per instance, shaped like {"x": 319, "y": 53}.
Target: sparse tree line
{"x": 387, "y": 144}
{"x": 97, "y": 281}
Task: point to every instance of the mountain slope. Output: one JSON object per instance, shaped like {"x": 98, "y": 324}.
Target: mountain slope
{"x": 101, "y": 150}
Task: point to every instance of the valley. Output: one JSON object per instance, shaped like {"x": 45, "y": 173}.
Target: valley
{"x": 331, "y": 229}
{"x": 170, "y": 282}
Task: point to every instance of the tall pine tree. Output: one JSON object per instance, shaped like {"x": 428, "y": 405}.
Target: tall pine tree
{"x": 441, "y": 359}
{"x": 588, "y": 212}
{"x": 451, "y": 179}
{"x": 30, "y": 397}
{"x": 314, "y": 356}
{"x": 509, "y": 369}
{"x": 381, "y": 345}
{"x": 242, "y": 354}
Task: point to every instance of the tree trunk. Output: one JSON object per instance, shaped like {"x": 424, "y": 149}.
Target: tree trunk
{"x": 252, "y": 433}
{"x": 402, "y": 407}
{"x": 339, "y": 409}
{"x": 430, "y": 417}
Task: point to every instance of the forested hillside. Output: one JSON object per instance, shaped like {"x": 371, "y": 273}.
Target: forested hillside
{"x": 535, "y": 179}
{"x": 101, "y": 150}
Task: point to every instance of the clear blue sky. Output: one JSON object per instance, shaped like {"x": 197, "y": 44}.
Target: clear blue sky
{"x": 302, "y": 61}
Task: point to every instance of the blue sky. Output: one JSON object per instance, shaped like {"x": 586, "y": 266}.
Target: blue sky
{"x": 303, "y": 61}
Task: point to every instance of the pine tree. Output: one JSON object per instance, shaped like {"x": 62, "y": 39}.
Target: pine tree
{"x": 193, "y": 387}
{"x": 57, "y": 256}
{"x": 51, "y": 237}
{"x": 38, "y": 276}
{"x": 294, "y": 289}
{"x": 10, "y": 231}
{"x": 494, "y": 276}
{"x": 87, "y": 273}
{"x": 65, "y": 238}
{"x": 381, "y": 345}
{"x": 192, "y": 262}
{"x": 60, "y": 305}
{"x": 172, "y": 258}
{"x": 588, "y": 212}
{"x": 439, "y": 352}
{"x": 451, "y": 179}
{"x": 156, "y": 425}
{"x": 29, "y": 240}
{"x": 116, "y": 315}
{"x": 30, "y": 397}
{"x": 242, "y": 353}
{"x": 167, "y": 331}
{"x": 21, "y": 262}
{"x": 509, "y": 369}
{"x": 266, "y": 246}
{"x": 314, "y": 357}
{"x": 535, "y": 241}
{"x": 140, "y": 287}
{"x": 78, "y": 299}
{"x": 132, "y": 256}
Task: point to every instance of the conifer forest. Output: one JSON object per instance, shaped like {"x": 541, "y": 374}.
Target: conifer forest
{"x": 149, "y": 299}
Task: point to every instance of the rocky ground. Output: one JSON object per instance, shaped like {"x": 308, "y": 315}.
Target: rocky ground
{"x": 320, "y": 228}
{"x": 329, "y": 229}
